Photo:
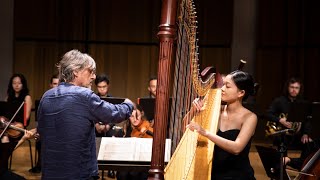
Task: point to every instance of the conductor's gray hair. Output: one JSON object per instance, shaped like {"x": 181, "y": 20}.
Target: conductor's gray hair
{"x": 73, "y": 61}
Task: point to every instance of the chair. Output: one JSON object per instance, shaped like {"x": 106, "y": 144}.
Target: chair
{"x": 30, "y": 150}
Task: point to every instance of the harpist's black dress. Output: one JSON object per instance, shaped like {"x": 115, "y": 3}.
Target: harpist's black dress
{"x": 229, "y": 166}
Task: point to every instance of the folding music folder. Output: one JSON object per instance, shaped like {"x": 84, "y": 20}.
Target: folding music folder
{"x": 125, "y": 150}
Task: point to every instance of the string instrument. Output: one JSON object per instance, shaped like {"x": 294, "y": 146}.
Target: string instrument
{"x": 14, "y": 130}
{"x": 311, "y": 168}
{"x": 143, "y": 130}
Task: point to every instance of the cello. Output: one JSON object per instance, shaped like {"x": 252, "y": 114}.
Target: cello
{"x": 311, "y": 167}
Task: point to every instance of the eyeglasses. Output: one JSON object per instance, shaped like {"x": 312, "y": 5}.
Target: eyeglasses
{"x": 92, "y": 71}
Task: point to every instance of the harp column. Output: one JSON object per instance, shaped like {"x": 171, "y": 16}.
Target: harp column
{"x": 166, "y": 34}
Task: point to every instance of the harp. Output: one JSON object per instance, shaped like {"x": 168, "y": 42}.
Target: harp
{"x": 192, "y": 154}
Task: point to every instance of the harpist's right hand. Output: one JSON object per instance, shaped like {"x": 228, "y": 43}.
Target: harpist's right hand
{"x": 196, "y": 127}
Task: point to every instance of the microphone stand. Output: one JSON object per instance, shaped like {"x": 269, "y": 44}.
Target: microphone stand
{"x": 282, "y": 150}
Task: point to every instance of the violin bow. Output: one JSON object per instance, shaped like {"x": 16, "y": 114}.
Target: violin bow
{"x": 4, "y": 130}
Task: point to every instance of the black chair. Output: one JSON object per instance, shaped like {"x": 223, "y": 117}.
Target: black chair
{"x": 30, "y": 150}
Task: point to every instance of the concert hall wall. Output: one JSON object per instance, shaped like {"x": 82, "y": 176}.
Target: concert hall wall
{"x": 122, "y": 37}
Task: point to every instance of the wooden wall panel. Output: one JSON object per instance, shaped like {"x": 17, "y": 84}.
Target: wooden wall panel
{"x": 125, "y": 21}
{"x": 122, "y": 37}
{"x": 271, "y": 23}
{"x": 311, "y": 27}
{"x": 216, "y": 57}
{"x": 215, "y": 22}
{"x": 129, "y": 68}
{"x": 37, "y": 61}
{"x": 35, "y": 19}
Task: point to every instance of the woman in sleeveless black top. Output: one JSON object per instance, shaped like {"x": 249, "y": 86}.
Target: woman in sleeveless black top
{"x": 17, "y": 93}
{"x": 236, "y": 128}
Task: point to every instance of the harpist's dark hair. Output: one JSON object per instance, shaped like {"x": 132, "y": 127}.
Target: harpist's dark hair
{"x": 243, "y": 81}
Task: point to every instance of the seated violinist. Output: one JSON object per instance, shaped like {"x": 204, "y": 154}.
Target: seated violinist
{"x": 137, "y": 126}
{"x": 140, "y": 126}
{"x": 10, "y": 140}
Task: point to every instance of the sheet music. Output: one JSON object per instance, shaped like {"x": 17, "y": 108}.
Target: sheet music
{"x": 129, "y": 149}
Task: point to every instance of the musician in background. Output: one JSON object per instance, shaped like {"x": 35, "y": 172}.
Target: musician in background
{"x": 280, "y": 107}
{"x": 17, "y": 92}
{"x": 102, "y": 84}
{"x": 152, "y": 87}
{"x": 54, "y": 82}
{"x": 66, "y": 118}
{"x": 311, "y": 148}
{"x": 139, "y": 125}
{"x": 236, "y": 127}
{"x": 136, "y": 126}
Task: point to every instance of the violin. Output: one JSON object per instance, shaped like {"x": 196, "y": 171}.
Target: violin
{"x": 311, "y": 168}
{"x": 143, "y": 130}
{"x": 14, "y": 130}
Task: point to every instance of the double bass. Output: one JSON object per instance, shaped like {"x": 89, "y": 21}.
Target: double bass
{"x": 311, "y": 168}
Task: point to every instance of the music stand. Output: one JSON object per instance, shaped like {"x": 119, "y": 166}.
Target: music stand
{"x": 8, "y": 109}
{"x": 12, "y": 111}
{"x": 270, "y": 161}
{"x": 315, "y": 118}
{"x": 299, "y": 111}
{"x": 114, "y": 100}
{"x": 148, "y": 106}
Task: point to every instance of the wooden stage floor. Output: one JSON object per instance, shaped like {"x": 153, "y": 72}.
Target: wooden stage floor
{"x": 21, "y": 163}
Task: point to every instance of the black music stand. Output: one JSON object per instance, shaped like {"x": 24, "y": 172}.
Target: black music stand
{"x": 299, "y": 111}
{"x": 114, "y": 100}
{"x": 315, "y": 118}
{"x": 8, "y": 109}
{"x": 270, "y": 161}
{"x": 148, "y": 106}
